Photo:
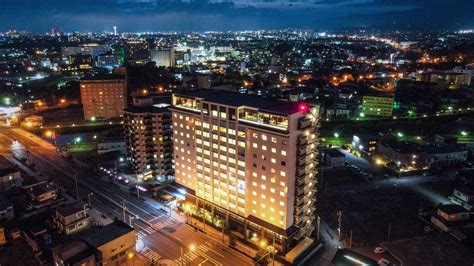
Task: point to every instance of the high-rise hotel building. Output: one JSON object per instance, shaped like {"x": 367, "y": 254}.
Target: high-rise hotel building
{"x": 250, "y": 161}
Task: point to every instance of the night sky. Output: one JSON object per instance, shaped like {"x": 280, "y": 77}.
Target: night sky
{"x": 206, "y": 15}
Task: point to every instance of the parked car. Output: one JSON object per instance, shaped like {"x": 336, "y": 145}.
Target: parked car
{"x": 379, "y": 250}
{"x": 427, "y": 229}
{"x": 383, "y": 262}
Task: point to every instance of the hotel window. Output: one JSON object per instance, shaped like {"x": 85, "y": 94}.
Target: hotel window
{"x": 274, "y": 150}
{"x": 282, "y": 183}
{"x": 263, "y": 187}
{"x": 283, "y": 153}
{"x": 264, "y": 137}
{"x": 263, "y": 196}
{"x": 274, "y": 140}
{"x": 282, "y": 193}
{"x": 255, "y": 135}
{"x": 272, "y": 190}
{"x": 264, "y": 147}
{"x": 282, "y": 213}
{"x": 255, "y": 145}
{"x": 282, "y": 203}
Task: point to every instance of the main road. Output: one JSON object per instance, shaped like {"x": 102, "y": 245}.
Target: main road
{"x": 163, "y": 237}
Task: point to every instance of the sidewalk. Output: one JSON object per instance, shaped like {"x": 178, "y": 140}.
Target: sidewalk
{"x": 217, "y": 236}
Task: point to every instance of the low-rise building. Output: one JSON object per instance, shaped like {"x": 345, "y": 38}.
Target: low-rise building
{"x": 445, "y": 156}
{"x": 114, "y": 244}
{"x": 112, "y": 144}
{"x": 365, "y": 144}
{"x": 42, "y": 193}
{"x": 33, "y": 121}
{"x": 464, "y": 197}
{"x": 72, "y": 218}
{"x": 333, "y": 158}
{"x": 73, "y": 253}
{"x": 406, "y": 155}
{"x": 449, "y": 216}
{"x": 10, "y": 175}
{"x": 448, "y": 79}
{"x": 6, "y": 210}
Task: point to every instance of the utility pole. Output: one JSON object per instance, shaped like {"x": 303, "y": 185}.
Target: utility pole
{"x": 350, "y": 241}
{"x": 77, "y": 190}
{"x": 123, "y": 210}
{"x": 339, "y": 221}
{"x": 389, "y": 231}
{"x": 28, "y": 156}
{"x": 223, "y": 227}
{"x": 319, "y": 226}
{"x": 273, "y": 251}
{"x": 204, "y": 217}
{"x": 89, "y": 197}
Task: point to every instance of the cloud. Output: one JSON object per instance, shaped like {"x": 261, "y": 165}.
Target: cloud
{"x": 150, "y": 15}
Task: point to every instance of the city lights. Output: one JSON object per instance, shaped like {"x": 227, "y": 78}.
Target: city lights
{"x": 237, "y": 146}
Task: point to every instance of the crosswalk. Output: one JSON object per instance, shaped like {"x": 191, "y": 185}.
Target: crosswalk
{"x": 155, "y": 226}
{"x": 150, "y": 254}
{"x": 189, "y": 256}
{"x": 200, "y": 251}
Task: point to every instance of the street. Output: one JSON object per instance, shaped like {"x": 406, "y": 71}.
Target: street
{"x": 159, "y": 235}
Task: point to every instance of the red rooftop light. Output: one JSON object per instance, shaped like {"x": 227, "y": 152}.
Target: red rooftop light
{"x": 303, "y": 107}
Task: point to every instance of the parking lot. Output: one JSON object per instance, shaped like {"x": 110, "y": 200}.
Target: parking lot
{"x": 375, "y": 212}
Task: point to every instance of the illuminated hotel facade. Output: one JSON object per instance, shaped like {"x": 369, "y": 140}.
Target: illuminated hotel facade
{"x": 250, "y": 161}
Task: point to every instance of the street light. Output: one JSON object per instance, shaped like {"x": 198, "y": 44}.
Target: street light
{"x": 89, "y": 198}
{"x": 464, "y": 133}
{"x": 336, "y": 135}
{"x": 400, "y": 134}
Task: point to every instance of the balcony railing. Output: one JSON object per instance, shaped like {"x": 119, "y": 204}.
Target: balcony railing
{"x": 304, "y": 123}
